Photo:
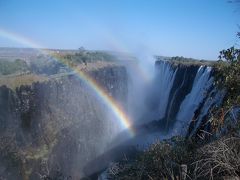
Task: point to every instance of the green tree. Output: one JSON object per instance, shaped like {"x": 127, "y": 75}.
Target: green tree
{"x": 231, "y": 55}
{"x": 228, "y": 74}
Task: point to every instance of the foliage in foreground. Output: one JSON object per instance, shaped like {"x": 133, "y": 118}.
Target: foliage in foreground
{"x": 162, "y": 160}
{"x": 220, "y": 158}
{"x": 228, "y": 75}
{"x": 227, "y": 78}
{"x": 183, "y": 160}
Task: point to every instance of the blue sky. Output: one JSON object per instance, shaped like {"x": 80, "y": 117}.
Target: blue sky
{"x": 191, "y": 28}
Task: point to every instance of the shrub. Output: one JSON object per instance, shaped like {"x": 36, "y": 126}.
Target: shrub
{"x": 182, "y": 160}
{"x": 220, "y": 158}
{"x": 163, "y": 160}
{"x": 227, "y": 77}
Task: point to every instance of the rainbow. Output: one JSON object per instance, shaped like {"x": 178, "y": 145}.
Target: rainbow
{"x": 92, "y": 83}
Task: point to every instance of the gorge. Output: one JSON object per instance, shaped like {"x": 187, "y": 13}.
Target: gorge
{"x": 60, "y": 125}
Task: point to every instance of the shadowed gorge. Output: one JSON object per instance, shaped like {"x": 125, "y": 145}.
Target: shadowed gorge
{"x": 59, "y": 123}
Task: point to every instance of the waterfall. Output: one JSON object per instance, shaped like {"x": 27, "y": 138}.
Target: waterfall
{"x": 201, "y": 85}
{"x": 214, "y": 98}
{"x": 164, "y": 86}
{"x": 180, "y": 94}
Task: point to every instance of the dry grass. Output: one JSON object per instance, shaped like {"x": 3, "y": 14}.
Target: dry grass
{"x": 91, "y": 66}
{"x": 23, "y": 79}
{"x": 162, "y": 160}
{"x": 218, "y": 159}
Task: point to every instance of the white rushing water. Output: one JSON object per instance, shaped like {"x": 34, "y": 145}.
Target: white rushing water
{"x": 201, "y": 85}
{"x": 162, "y": 102}
{"x": 167, "y": 74}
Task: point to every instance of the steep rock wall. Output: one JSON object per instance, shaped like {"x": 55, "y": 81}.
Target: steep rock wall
{"x": 59, "y": 124}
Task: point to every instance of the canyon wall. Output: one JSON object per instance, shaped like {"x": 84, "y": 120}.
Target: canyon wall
{"x": 58, "y": 125}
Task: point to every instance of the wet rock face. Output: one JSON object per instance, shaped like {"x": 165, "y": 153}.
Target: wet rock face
{"x": 7, "y": 105}
{"x": 61, "y": 123}
{"x": 26, "y": 106}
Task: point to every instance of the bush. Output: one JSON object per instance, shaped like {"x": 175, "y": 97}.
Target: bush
{"x": 227, "y": 77}
{"x": 163, "y": 160}
{"x": 220, "y": 158}
{"x": 181, "y": 159}
{"x": 84, "y": 57}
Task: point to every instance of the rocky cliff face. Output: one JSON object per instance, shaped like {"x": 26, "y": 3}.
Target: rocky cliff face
{"x": 57, "y": 125}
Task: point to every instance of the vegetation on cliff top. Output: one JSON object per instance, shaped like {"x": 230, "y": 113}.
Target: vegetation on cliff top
{"x": 22, "y": 79}
{"x": 180, "y": 60}
{"x": 14, "y": 73}
{"x": 53, "y": 62}
{"x": 12, "y": 67}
